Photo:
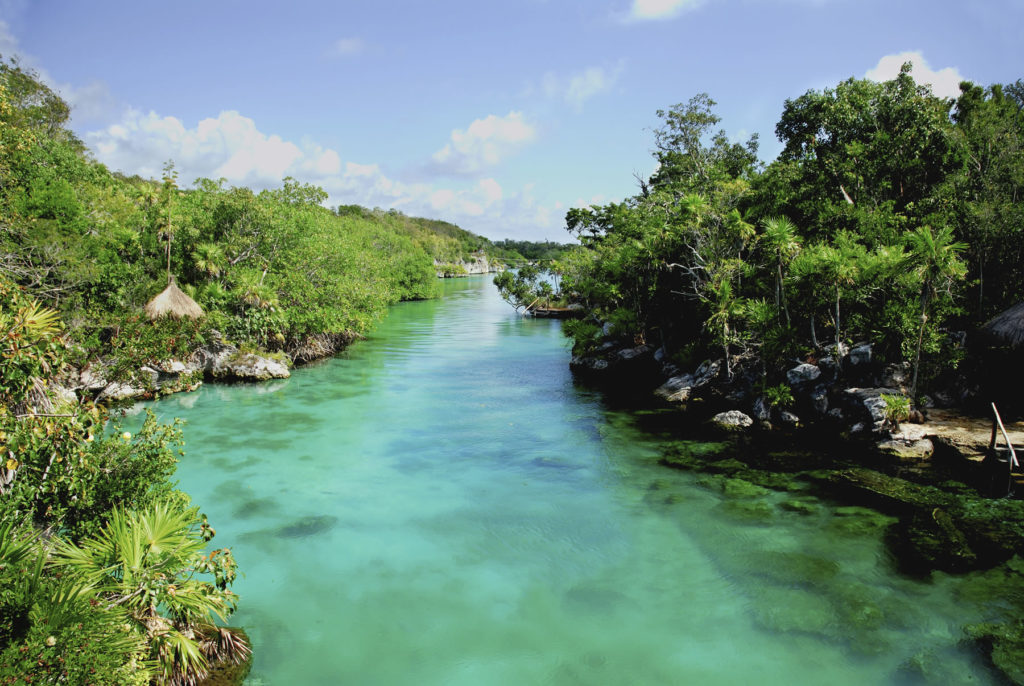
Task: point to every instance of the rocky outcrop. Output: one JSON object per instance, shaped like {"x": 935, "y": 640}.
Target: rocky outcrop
{"x": 224, "y": 361}
{"x": 476, "y": 264}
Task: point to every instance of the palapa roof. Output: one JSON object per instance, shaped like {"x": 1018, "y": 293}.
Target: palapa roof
{"x": 173, "y": 302}
{"x": 1007, "y": 327}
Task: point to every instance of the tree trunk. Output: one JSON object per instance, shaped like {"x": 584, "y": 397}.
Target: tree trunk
{"x": 839, "y": 357}
{"x": 780, "y": 294}
{"x": 920, "y": 338}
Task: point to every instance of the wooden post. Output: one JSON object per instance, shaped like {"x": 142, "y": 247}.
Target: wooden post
{"x": 1009, "y": 446}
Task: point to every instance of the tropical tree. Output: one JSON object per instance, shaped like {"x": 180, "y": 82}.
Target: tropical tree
{"x": 145, "y": 563}
{"x": 782, "y": 243}
{"x": 934, "y": 256}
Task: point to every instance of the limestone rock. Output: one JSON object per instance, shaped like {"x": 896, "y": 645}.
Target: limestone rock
{"x": 680, "y": 388}
{"x": 223, "y": 361}
{"x": 803, "y": 374}
{"x": 733, "y": 420}
{"x": 869, "y": 402}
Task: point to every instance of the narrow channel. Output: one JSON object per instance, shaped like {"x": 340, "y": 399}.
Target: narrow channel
{"x": 443, "y": 505}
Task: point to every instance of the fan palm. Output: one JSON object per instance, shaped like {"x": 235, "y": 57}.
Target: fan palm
{"x": 143, "y": 563}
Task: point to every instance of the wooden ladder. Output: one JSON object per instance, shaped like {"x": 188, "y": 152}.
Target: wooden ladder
{"x": 1000, "y": 461}
{"x": 997, "y": 423}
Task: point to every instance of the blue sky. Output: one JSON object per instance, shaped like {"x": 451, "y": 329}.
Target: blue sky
{"x": 498, "y": 116}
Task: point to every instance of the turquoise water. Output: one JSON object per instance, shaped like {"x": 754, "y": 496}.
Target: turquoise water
{"x": 442, "y": 505}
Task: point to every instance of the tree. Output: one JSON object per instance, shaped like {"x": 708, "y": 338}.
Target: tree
{"x": 782, "y": 244}
{"x": 935, "y": 258}
{"x": 145, "y": 563}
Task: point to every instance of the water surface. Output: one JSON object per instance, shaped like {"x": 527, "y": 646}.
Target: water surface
{"x": 442, "y": 505}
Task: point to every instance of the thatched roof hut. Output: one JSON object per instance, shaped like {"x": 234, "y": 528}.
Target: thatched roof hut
{"x": 1007, "y": 327}
{"x": 173, "y": 302}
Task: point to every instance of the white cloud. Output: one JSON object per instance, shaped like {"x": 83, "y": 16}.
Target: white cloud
{"x": 661, "y": 9}
{"x": 231, "y": 146}
{"x": 581, "y": 86}
{"x": 945, "y": 83}
{"x": 347, "y": 46}
{"x": 485, "y": 143}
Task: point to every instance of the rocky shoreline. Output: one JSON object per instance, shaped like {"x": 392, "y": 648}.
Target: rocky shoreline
{"x": 832, "y": 438}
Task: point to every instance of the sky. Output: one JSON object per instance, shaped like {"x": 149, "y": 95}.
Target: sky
{"x": 497, "y": 116}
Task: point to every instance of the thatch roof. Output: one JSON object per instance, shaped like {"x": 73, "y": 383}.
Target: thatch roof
{"x": 1007, "y": 327}
{"x": 173, "y": 302}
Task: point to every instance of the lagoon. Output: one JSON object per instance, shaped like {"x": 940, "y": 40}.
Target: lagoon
{"x": 443, "y": 504}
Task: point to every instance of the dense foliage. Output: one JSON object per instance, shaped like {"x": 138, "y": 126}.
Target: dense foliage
{"x": 892, "y": 216}
{"x": 270, "y": 269}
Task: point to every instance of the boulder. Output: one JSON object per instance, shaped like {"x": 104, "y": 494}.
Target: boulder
{"x": 732, "y": 421}
{"x": 680, "y": 388}
{"x": 787, "y": 418}
{"x": 896, "y": 376}
{"x": 803, "y": 375}
{"x": 868, "y": 403}
{"x": 223, "y": 361}
{"x": 860, "y": 354}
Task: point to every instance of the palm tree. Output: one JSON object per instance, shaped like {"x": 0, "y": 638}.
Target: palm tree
{"x": 145, "y": 564}
{"x": 209, "y": 259}
{"x": 783, "y": 244}
{"x": 934, "y": 256}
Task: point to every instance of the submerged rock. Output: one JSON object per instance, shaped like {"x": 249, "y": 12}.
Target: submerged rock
{"x": 791, "y": 610}
{"x": 1005, "y": 645}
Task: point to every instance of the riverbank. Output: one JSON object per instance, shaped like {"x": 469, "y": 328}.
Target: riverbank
{"x": 929, "y": 476}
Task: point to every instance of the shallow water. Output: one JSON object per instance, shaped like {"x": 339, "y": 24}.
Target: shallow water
{"x": 442, "y": 505}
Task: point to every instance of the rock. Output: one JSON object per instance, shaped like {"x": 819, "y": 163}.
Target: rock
{"x": 588, "y": 363}
{"x": 733, "y": 420}
{"x": 803, "y": 374}
{"x": 889, "y": 493}
{"x": 909, "y": 442}
{"x": 223, "y": 361}
{"x": 93, "y": 379}
{"x": 681, "y": 388}
{"x": 741, "y": 488}
{"x": 800, "y": 506}
{"x": 1005, "y": 645}
{"x": 761, "y": 411}
{"x": 629, "y": 354}
{"x": 149, "y": 376}
{"x": 252, "y": 366}
{"x": 860, "y": 354}
{"x": 868, "y": 403}
{"x": 790, "y": 610}
{"x": 787, "y": 418}
{"x": 787, "y": 567}
{"x": 120, "y": 391}
{"x": 819, "y": 400}
{"x": 835, "y": 352}
{"x": 896, "y": 376}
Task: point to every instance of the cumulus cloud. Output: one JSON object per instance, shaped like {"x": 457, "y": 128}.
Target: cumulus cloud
{"x": 645, "y": 10}
{"x": 581, "y": 86}
{"x": 231, "y": 146}
{"x": 945, "y": 83}
{"x": 485, "y": 143}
